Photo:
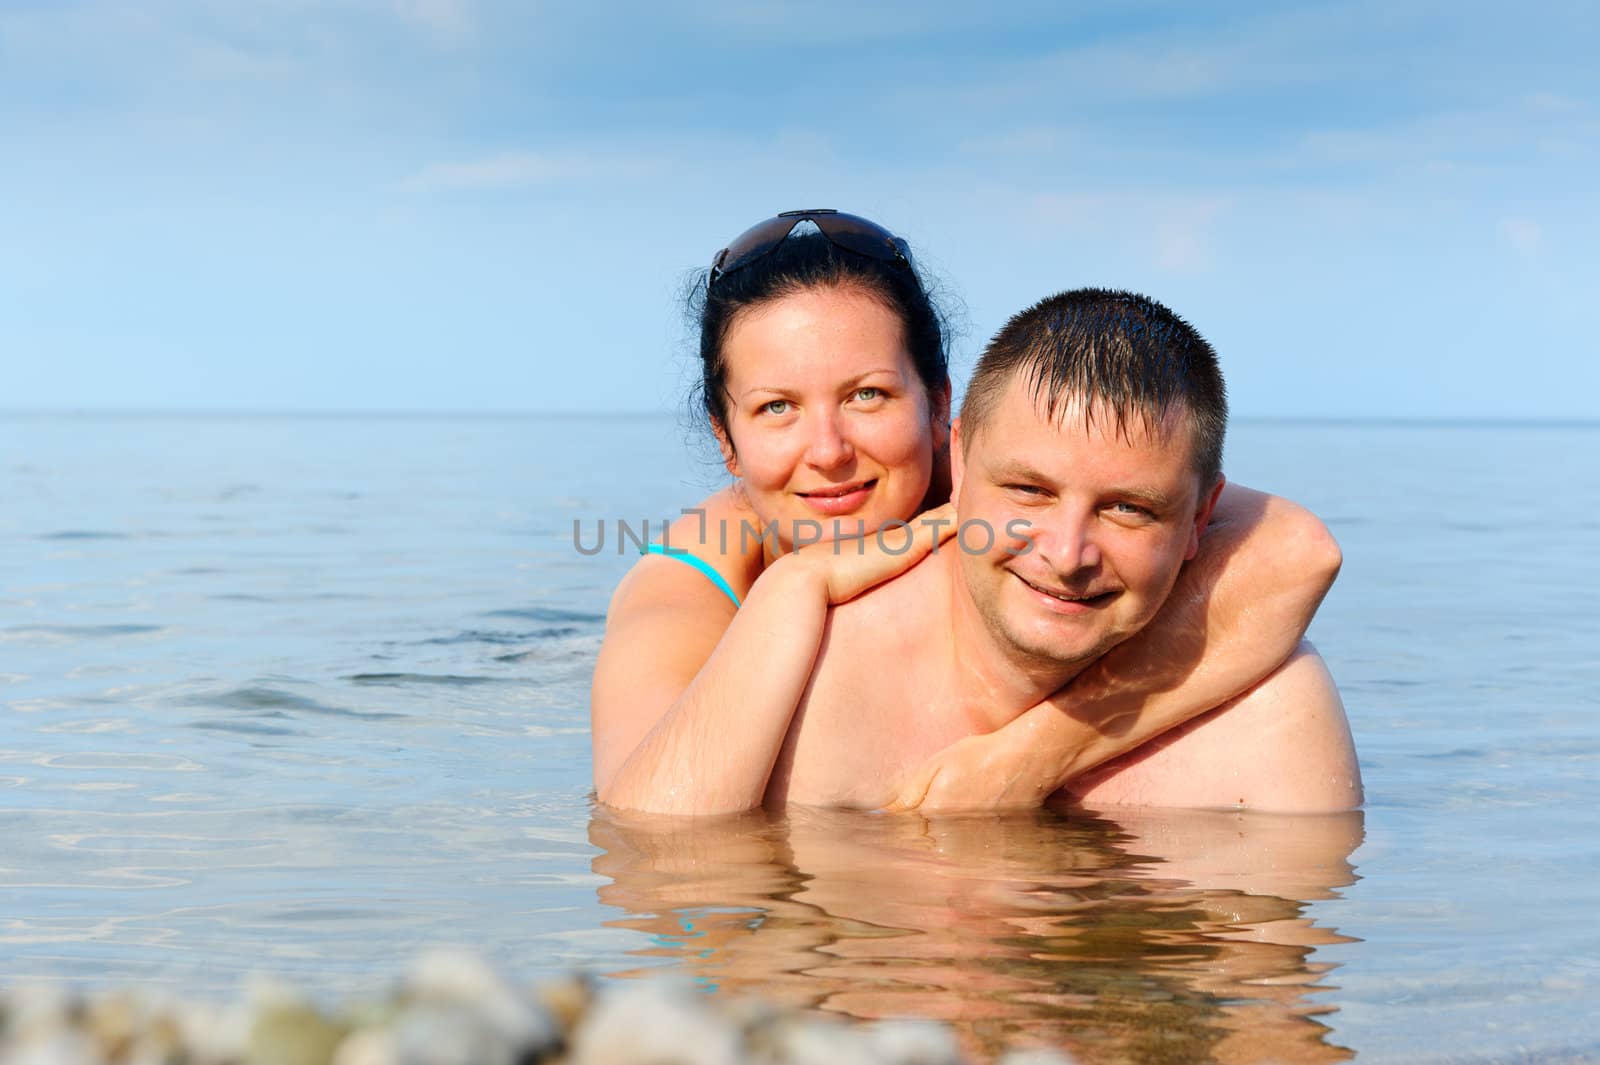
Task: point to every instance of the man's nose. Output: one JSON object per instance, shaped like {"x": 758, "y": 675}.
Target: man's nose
{"x": 828, "y": 446}
{"x": 1067, "y": 542}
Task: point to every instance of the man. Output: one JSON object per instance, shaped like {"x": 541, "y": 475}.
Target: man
{"x": 1086, "y": 462}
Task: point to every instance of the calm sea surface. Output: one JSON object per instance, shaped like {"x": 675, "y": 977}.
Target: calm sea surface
{"x": 309, "y": 695}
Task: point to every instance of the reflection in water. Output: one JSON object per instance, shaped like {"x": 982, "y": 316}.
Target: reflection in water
{"x": 1147, "y": 935}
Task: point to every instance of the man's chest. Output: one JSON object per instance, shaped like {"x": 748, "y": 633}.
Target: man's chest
{"x": 862, "y": 731}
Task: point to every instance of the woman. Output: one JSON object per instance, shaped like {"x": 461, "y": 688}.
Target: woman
{"x": 824, "y": 380}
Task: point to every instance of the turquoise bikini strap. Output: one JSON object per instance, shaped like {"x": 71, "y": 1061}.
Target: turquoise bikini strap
{"x": 694, "y": 560}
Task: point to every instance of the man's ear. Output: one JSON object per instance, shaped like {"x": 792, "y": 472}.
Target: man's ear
{"x": 730, "y": 457}
{"x": 1202, "y": 517}
{"x": 958, "y": 460}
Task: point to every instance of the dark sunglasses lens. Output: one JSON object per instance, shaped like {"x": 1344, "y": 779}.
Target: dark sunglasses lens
{"x": 848, "y": 231}
{"x": 754, "y": 243}
{"x": 859, "y": 235}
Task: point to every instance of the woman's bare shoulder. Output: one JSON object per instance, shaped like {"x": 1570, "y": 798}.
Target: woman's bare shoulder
{"x": 666, "y": 615}
{"x": 723, "y": 532}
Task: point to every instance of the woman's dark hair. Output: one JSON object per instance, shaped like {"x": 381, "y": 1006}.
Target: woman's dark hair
{"x": 801, "y": 262}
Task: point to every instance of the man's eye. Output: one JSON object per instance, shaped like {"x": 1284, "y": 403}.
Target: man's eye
{"x": 1132, "y": 510}
{"x": 1024, "y": 489}
{"x": 775, "y": 406}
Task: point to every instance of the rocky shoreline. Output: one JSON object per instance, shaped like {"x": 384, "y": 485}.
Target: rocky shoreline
{"x": 452, "y": 1009}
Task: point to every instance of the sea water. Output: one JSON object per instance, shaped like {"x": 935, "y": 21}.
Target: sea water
{"x": 308, "y": 695}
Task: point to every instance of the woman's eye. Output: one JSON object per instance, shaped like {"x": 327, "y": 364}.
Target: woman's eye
{"x": 776, "y": 406}
{"x": 865, "y": 395}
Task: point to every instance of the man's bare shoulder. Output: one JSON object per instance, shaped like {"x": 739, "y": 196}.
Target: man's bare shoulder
{"x": 913, "y": 597}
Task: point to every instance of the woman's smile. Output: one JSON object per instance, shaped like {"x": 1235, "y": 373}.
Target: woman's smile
{"x": 840, "y": 499}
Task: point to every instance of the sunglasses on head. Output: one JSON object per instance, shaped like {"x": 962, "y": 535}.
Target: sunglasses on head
{"x": 848, "y": 231}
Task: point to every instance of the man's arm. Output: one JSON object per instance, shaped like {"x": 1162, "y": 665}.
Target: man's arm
{"x": 1237, "y": 612}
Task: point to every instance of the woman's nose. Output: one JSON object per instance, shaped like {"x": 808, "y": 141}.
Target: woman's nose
{"x": 828, "y": 447}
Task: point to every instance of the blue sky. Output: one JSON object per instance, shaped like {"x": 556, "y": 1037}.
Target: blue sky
{"x": 1372, "y": 209}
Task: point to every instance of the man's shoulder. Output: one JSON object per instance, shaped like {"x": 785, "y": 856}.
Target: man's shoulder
{"x": 891, "y": 643}
{"x": 904, "y": 612}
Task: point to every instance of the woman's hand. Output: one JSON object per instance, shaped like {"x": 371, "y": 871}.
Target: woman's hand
{"x": 1016, "y": 766}
{"x": 852, "y": 565}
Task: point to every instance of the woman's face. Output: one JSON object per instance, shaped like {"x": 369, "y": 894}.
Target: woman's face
{"x": 828, "y": 425}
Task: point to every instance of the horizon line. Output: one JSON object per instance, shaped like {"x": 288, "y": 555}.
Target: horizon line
{"x": 446, "y": 414}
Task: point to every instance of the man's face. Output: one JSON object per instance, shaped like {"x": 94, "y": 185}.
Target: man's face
{"x": 1108, "y": 518}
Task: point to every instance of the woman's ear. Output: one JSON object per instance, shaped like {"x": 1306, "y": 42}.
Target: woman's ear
{"x": 730, "y": 457}
{"x": 958, "y": 461}
{"x": 939, "y": 403}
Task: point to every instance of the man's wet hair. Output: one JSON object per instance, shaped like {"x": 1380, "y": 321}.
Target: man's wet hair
{"x": 1125, "y": 354}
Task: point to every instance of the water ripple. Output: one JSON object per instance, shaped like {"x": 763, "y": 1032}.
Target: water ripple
{"x": 544, "y": 654}
{"x": 496, "y": 637}
{"x": 107, "y": 843}
{"x": 245, "y": 728}
{"x": 90, "y": 726}
{"x": 451, "y": 680}
{"x": 540, "y": 613}
{"x": 62, "y": 633}
{"x": 171, "y": 763}
{"x": 275, "y": 701}
{"x": 84, "y": 534}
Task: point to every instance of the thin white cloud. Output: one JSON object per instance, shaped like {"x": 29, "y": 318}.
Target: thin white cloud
{"x": 1551, "y": 101}
{"x": 823, "y": 22}
{"x": 1525, "y": 236}
{"x": 1505, "y": 136}
{"x": 215, "y": 60}
{"x": 1026, "y": 141}
{"x": 1153, "y": 64}
{"x": 522, "y": 169}
{"x": 1173, "y": 232}
{"x": 449, "y": 20}
{"x": 1182, "y": 246}
{"x": 500, "y": 171}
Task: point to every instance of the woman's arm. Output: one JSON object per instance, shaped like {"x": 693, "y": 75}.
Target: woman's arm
{"x": 692, "y": 698}
{"x": 1237, "y": 612}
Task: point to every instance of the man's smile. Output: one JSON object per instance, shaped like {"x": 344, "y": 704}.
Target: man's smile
{"x": 1071, "y": 600}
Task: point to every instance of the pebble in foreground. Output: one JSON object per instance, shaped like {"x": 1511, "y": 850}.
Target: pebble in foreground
{"x": 453, "y": 1010}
